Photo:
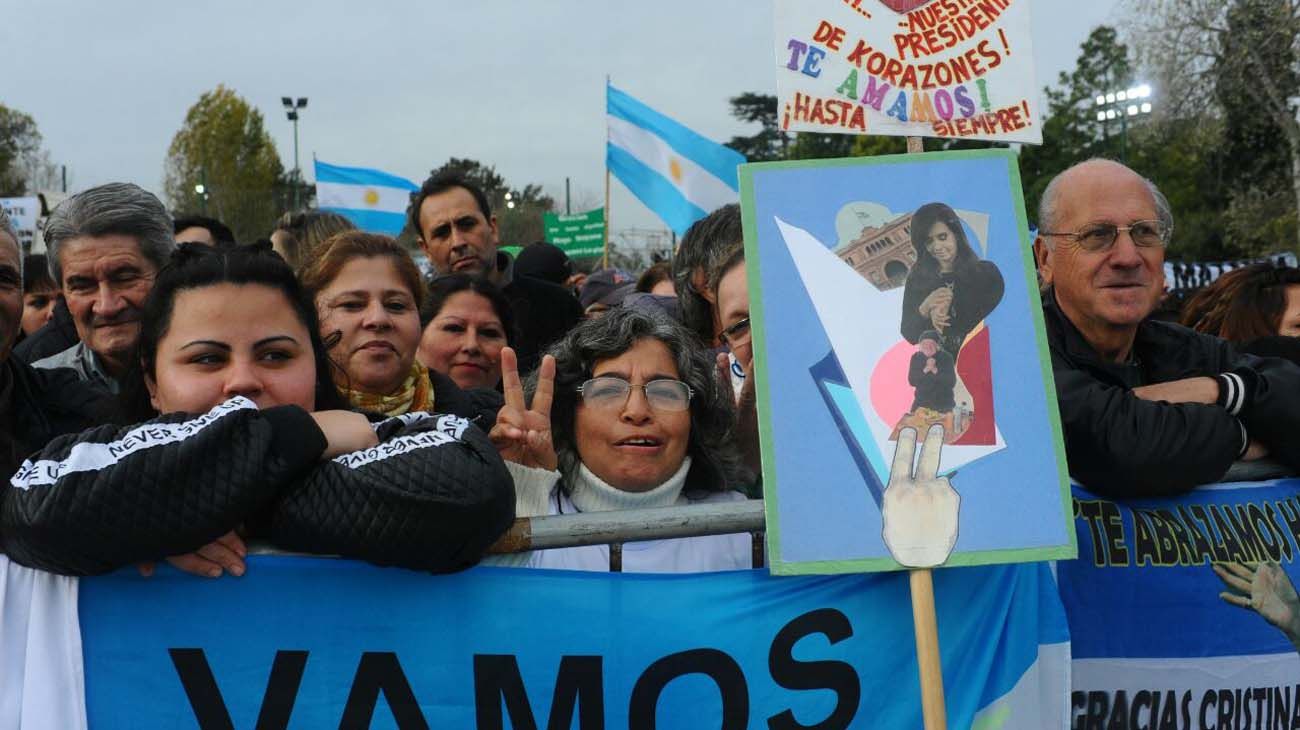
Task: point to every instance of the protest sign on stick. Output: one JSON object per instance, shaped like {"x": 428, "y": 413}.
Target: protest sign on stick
{"x": 934, "y": 68}
{"x": 894, "y": 304}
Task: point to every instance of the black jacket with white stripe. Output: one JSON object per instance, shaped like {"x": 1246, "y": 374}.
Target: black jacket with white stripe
{"x": 1120, "y": 445}
{"x": 432, "y": 495}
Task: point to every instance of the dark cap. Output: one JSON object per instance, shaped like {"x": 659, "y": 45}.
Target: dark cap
{"x": 655, "y": 304}
{"x": 930, "y": 335}
{"x": 544, "y": 261}
{"x": 608, "y": 287}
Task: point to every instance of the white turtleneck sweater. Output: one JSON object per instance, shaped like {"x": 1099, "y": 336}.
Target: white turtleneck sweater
{"x": 537, "y": 493}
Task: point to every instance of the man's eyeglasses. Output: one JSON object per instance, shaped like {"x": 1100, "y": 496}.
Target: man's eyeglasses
{"x": 737, "y": 334}
{"x": 1101, "y": 236}
{"x": 610, "y": 392}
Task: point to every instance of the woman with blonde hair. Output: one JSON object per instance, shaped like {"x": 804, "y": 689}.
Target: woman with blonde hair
{"x": 297, "y": 235}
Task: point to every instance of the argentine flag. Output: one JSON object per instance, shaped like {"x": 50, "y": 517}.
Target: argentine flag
{"x": 679, "y": 174}
{"x": 372, "y": 199}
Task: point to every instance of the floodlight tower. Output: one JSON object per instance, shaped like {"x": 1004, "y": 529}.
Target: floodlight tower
{"x": 1122, "y": 104}
{"x": 291, "y": 108}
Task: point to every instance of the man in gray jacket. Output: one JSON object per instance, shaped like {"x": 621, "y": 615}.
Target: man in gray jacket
{"x": 105, "y": 247}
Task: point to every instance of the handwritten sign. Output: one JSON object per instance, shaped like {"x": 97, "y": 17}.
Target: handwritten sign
{"x": 932, "y": 68}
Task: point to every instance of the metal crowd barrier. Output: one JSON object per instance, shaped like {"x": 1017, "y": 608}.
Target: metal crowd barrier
{"x": 616, "y": 528}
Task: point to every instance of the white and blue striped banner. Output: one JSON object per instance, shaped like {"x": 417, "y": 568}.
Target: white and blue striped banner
{"x": 679, "y": 174}
{"x": 374, "y": 200}
{"x": 315, "y": 642}
{"x": 1155, "y": 642}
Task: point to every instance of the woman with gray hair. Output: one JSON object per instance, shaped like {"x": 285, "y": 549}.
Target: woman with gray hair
{"x": 626, "y": 413}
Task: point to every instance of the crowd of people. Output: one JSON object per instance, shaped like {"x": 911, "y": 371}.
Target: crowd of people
{"x": 170, "y": 393}
{"x": 284, "y": 384}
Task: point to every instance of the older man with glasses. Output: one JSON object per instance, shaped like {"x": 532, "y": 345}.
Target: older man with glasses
{"x": 1148, "y": 408}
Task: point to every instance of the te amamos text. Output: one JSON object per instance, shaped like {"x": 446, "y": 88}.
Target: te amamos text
{"x": 947, "y": 94}
{"x": 850, "y": 116}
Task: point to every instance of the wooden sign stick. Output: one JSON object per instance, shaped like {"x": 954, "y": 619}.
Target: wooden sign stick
{"x": 923, "y": 617}
{"x": 927, "y": 650}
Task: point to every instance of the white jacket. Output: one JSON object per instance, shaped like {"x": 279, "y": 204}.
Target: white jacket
{"x": 41, "y": 682}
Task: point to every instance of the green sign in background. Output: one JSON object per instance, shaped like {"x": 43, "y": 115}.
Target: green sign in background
{"x": 581, "y": 235}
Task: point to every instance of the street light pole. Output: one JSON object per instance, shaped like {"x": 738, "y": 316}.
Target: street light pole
{"x": 291, "y": 108}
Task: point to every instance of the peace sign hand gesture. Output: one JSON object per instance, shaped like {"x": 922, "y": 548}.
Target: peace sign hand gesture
{"x": 523, "y": 435}
{"x": 919, "y": 512}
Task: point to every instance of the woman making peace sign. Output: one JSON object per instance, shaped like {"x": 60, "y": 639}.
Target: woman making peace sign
{"x": 626, "y": 414}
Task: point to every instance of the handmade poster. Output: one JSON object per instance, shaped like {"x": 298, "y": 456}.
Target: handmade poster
{"x": 1183, "y": 610}
{"x": 895, "y": 302}
{"x": 926, "y": 68}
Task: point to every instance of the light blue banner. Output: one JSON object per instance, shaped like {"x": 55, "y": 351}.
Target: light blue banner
{"x": 315, "y": 643}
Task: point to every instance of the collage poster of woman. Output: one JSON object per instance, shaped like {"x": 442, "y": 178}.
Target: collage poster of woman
{"x": 897, "y": 303}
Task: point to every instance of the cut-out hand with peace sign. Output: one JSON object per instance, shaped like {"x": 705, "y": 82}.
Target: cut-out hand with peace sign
{"x": 919, "y": 511}
{"x": 522, "y": 434}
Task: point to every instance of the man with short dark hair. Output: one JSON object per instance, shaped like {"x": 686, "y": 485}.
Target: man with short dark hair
{"x": 1147, "y": 408}
{"x": 204, "y": 230}
{"x": 457, "y": 231}
{"x": 105, "y": 247}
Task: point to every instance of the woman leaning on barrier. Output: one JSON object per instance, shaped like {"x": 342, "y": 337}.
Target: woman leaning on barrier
{"x": 254, "y": 434}
{"x": 626, "y": 413}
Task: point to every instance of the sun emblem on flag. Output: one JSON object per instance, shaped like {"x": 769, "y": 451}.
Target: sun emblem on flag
{"x": 372, "y": 197}
{"x": 675, "y": 169}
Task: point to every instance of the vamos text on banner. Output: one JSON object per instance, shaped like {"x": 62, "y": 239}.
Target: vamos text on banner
{"x": 313, "y": 642}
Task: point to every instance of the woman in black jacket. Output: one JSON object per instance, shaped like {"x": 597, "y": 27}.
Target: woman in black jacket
{"x": 949, "y": 290}
{"x": 254, "y": 434}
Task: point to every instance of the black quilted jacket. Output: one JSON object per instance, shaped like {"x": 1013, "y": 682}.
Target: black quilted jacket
{"x": 432, "y": 495}
{"x": 1120, "y": 445}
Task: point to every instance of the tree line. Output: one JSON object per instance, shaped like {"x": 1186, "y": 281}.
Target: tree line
{"x": 1223, "y": 142}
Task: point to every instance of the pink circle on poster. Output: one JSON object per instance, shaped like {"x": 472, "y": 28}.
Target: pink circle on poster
{"x": 891, "y": 395}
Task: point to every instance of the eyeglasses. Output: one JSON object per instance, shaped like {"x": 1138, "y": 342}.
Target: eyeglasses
{"x": 662, "y": 395}
{"x": 737, "y": 334}
{"x": 1101, "y": 236}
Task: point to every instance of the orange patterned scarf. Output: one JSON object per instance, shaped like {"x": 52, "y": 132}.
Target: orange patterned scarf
{"x": 416, "y": 394}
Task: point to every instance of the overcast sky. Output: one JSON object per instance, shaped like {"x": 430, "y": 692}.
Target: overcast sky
{"x": 404, "y": 85}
